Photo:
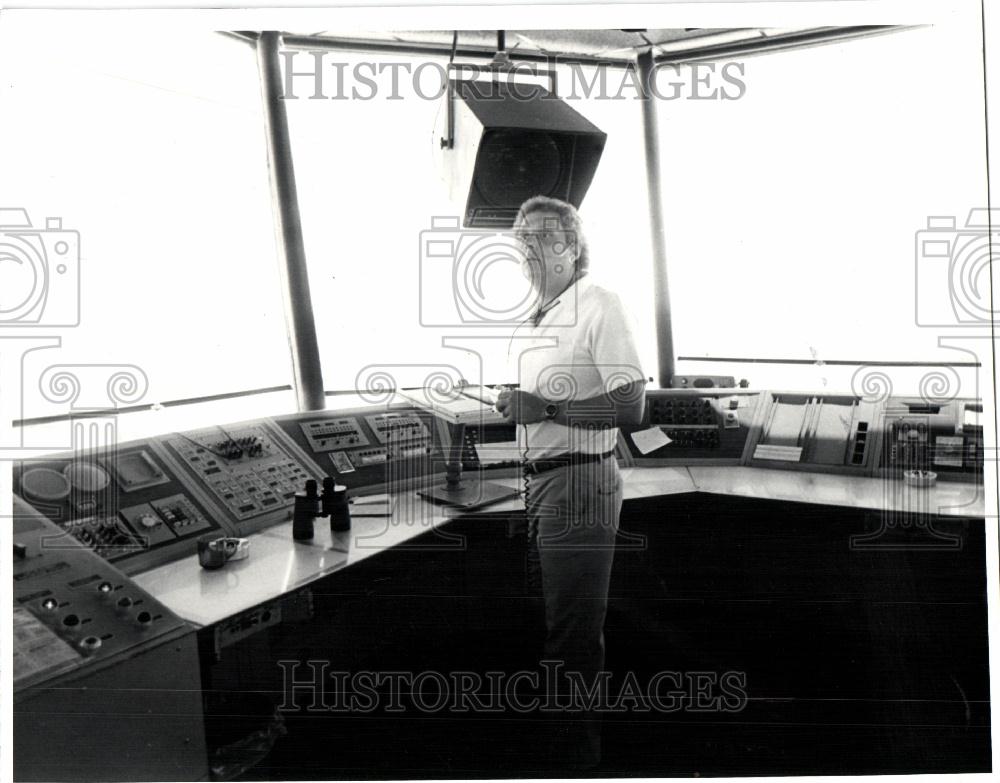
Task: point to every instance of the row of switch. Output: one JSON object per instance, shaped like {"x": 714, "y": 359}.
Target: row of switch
{"x": 389, "y": 429}
{"x": 252, "y": 492}
{"x": 331, "y": 434}
{"x": 108, "y": 537}
{"x": 860, "y": 441}
{"x": 685, "y": 411}
{"x": 703, "y": 438}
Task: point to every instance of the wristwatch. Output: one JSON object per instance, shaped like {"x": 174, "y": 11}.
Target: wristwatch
{"x": 551, "y": 410}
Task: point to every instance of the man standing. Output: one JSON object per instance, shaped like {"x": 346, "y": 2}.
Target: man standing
{"x": 578, "y": 382}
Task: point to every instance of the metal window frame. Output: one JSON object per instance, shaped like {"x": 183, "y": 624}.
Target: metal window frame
{"x": 307, "y": 368}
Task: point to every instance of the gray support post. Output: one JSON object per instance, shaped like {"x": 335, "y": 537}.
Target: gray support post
{"x": 306, "y": 368}
{"x": 664, "y": 330}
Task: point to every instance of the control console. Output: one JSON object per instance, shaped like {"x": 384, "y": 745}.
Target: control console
{"x": 944, "y": 437}
{"x": 71, "y": 608}
{"x": 107, "y": 684}
{"x": 372, "y": 449}
{"x": 129, "y": 506}
{"x": 691, "y": 427}
{"x": 250, "y": 470}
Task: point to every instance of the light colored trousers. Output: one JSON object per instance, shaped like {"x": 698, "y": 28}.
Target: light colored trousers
{"x": 573, "y": 514}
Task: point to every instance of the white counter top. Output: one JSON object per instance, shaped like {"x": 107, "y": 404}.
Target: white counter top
{"x": 277, "y": 564}
{"x": 945, "y": 498}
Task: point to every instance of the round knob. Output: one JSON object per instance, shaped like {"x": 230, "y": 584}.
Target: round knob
{"x": 90, "y": 644}
{"x": 50, "y": 604}
{"x": 148, "y": 521}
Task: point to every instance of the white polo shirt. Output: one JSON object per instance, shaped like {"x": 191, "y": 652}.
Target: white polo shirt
{"x": 582, "y": 347}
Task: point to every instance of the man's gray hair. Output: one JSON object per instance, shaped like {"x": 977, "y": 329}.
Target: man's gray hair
{"x": 569, "y": 219}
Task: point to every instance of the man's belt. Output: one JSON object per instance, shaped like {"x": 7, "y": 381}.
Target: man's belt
{"x": 543, "y": 465}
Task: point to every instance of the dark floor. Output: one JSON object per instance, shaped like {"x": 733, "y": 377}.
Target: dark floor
{"x": 852, "y": 661}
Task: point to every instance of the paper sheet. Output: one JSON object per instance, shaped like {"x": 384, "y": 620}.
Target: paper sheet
{"x": 484, "y": 394}
{"x": 779, "y": 453}
{"x": 373, "y": 506}
{"x": 36, "y": 648}
{"x": 650, "y": 440}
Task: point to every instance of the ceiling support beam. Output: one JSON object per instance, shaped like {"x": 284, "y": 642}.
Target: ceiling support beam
{"x": 463, "y": 51}
{"x": 766, "y": 44}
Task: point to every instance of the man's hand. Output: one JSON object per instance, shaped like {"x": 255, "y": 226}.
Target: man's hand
{"x": 521, "y": 407}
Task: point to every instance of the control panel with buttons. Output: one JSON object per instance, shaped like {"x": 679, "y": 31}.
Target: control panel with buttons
{"x": 165, "y": 519}
{"x": 687, "y": 426}
{"x": 330, "y": 434}
{"x": 109, "y": 537}
{"x": 250, "y": 470}
{"x": 943, "y": 436}
{"x": 404, "y": 435}
{"x": 372, "y": 449}
{"x": 71, "y": 607}
{"x": 131, "y": 508}
{"x": 686, "y": 412}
